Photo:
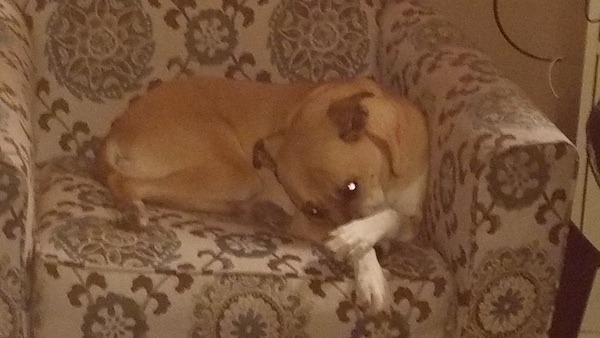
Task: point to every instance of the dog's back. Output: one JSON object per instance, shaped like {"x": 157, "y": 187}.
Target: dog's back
{"x": 189, "y": 142}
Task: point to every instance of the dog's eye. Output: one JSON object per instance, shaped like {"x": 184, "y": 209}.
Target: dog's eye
{"x": 349, "y": 191}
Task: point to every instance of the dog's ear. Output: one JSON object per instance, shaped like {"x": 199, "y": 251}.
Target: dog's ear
{"x": 261, "y": 158}
{"x": 373, "y": 116}
{"x": 263, "y": 150}
{"x": 349, "y": 116}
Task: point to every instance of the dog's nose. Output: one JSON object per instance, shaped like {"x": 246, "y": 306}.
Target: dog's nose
{"x": 351, "y": 213}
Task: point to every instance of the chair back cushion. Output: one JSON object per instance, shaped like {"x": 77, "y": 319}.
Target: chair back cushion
{"x": 94, "y": 56}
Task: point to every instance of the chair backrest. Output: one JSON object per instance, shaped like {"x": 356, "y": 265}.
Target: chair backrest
{"x": 94, "y": 56}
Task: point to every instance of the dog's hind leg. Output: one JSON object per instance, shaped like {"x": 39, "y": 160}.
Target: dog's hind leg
{"x": 213, "y": 187}
{"x": 203, "y": 180}
{"x": 133, "y": 213}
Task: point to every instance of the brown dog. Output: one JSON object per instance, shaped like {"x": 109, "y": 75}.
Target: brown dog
{"x": 351, "y": 157}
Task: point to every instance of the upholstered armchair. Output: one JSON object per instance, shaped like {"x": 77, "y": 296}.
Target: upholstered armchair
{"x": 487, "y": 264}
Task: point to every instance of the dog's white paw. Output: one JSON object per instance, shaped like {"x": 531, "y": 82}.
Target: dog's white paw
{"x": 372, "y": 292}
{"x": 352, "y": 240}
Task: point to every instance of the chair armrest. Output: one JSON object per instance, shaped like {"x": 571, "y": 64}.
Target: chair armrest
{"x": 16, "y": 163}
{"x": 501, "y": 175}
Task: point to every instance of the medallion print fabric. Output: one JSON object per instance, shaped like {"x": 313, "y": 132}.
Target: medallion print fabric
{"x": 250, "y": 306}
{"x": 99, "y": 49}
{"x": 97, "y": 56}
{"x": 211, "y": 37}
{"x": 516, "y": 290}
{"x": 231, "y": 276}
{"x": 114, "y": 316}
{"x": 499, "y": 190}
{"x": 322, "y": 42}
{"x": 92, "y": 240}
{"x": 518, "y": 177}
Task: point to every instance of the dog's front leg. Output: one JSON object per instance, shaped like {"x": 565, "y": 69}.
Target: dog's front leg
{"x": 355, "y": 239}
{"x": 371, "y": 285}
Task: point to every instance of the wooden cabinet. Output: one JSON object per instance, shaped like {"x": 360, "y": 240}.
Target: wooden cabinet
{"x": 586, "y": 208}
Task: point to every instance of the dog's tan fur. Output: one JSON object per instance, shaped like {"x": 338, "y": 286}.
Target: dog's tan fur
{"x": 189, "y": 143}
{"x": 347, "y": 154}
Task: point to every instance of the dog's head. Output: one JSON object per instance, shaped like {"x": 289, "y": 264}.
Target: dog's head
{"x": 339, "y": 151}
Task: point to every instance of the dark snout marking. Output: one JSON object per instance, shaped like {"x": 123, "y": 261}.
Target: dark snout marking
{"x": 261, "y": 157}
{"x": 349, "y": 117}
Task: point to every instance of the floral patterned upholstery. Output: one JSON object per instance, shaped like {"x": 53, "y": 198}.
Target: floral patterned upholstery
{"x": 16, "y": 169}
{"x": 496, "y": 214}
{"x": 207, "y": 276}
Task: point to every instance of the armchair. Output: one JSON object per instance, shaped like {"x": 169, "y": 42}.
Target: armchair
{"x": 496, "y": 214}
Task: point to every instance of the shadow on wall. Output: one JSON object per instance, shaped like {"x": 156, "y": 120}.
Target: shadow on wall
{"x": 548, "y": 30}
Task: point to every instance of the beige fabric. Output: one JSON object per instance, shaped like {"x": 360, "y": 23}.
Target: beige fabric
{"x": 16, "y": 169}
{"x": 209, "y": 276}
{"x": 499, "y": 193}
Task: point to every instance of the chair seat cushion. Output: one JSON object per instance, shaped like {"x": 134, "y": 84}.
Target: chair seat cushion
{"x": 205, "y": 275}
